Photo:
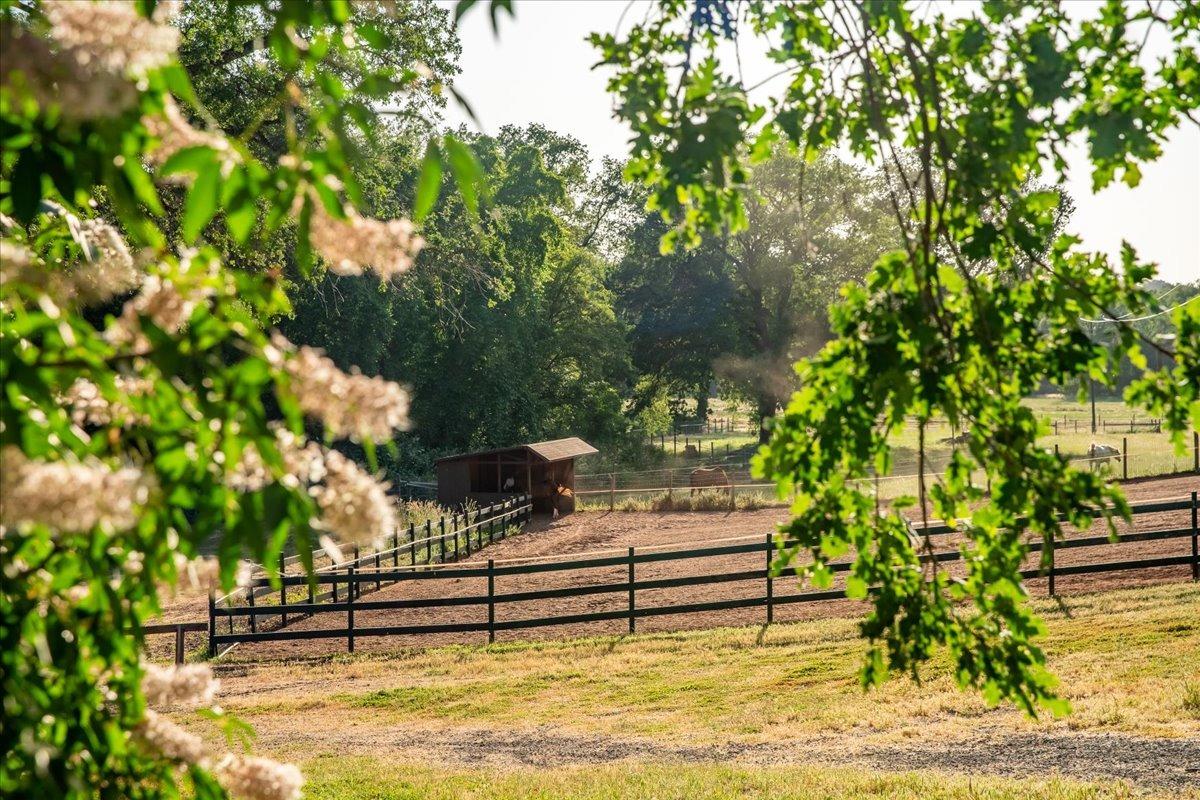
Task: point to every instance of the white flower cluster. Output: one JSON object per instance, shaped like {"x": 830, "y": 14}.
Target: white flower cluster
{"x": 174, "y": 133}
{"x": 348, "y": 404}
{"x": 69, "y": 496}
{"x": 169, "y": 739}
{"x": 55, "y": 77}
{"x": 205, "y": 573}
{"x": 259, "y": 778}
{"x": 161, "y": 301}
{"x": 179, "y": 684}
{"x": 98, "y": 47}
{"x": 89, "y": 406}
{"x": 353, "y": 505}
{"x": 19, "y": 266}
{"x": 357, "y": 243}
{"x": 110, "y": 36}
{"x": 108, "y": 269}
{"x": 192, "y": 686}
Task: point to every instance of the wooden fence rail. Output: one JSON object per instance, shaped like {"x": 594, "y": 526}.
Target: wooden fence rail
{"x": 424, "y": 545}
{"x": 351, "y": 577}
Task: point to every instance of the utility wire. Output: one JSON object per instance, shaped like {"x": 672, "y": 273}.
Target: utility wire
{"x": 1147, "y": 316}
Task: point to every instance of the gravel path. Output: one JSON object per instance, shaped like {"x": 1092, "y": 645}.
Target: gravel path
{"x": 1162, "y": 764}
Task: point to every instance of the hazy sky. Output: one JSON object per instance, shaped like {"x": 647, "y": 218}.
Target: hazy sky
{"x": 540, "y": 70}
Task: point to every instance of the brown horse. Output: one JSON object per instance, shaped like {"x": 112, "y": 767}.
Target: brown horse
{"x": 708, "y": 478}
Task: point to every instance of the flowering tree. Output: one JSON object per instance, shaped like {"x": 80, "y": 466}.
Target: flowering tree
{"x": 146, "y": 405}
{"x": 984, "y": 301}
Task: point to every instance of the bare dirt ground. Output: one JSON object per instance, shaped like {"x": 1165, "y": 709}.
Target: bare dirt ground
{"x": 592, "y": 533}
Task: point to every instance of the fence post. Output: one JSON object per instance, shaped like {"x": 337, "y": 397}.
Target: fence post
{"x": 357, "y": 587}
{"x": 1125, "y": 457}
{"x": 213, "y": 625}
{"x": 282, "y": 594}
{"x": 1052, "y": 568}
{"x": 428, "y": 542}
{"x": 1196, "y": 450}
{"x": 632, "y": 606}
{"x": 491, "y": 600}
{"x": 442, "y": 538}
{"x": 250, "y": 602}
{"x": 412, "y": 544}
{"x": 491, "y": 530}
{"x": 1195, "y": 541}
{"x": 377, "y": 570}
{"x": 770, "y": 580}
{"x": 612, "y": 491}
{"x": 178, "y": 644}
{"x": 350, "y": 610}
{"x": 396, "y": 548}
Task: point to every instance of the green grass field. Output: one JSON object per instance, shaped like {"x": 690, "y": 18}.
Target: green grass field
{"x": 377, "y": 726}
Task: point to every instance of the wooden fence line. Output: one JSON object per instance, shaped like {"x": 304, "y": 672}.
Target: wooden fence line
{"x": 630, "y": 559}
{"x": 517, "y": 510}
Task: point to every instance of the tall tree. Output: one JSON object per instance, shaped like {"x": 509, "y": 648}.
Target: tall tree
{"x": 743, "y": 307}
{"x": 987, "y": 99}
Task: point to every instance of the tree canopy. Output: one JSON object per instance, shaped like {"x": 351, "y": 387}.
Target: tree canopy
{"x": 986, "y": 99}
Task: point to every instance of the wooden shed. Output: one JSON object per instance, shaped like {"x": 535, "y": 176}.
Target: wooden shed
{"x": 489, "y": 475}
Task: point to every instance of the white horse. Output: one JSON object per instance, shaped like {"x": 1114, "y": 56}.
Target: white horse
{"x": 1102, "y": 454}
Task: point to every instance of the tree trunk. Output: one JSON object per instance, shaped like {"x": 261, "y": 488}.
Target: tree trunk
{"x": 702, "y": 404}
{"x": 766, "y": 409}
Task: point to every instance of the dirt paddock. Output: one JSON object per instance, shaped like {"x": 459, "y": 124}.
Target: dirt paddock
{"x": 593, "y": 533}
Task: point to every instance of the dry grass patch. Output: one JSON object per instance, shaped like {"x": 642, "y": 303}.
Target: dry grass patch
{"x": 1125, "y": 658}
{"x": 334, "y": 777}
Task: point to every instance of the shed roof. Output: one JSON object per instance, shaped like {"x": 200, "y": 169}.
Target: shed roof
{"x": 553, "y": 450}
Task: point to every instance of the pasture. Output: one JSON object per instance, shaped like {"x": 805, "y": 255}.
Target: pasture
{"x": 736, "y": 711}
{"x": 1066, "y": 429}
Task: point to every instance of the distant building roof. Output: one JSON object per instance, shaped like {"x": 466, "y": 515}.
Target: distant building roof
{"x": 554, "y": 450}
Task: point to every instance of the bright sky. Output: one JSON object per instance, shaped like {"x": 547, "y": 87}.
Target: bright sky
{"x": 540, "y": 70}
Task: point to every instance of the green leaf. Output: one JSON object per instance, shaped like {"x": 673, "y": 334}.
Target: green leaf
{"x": 26, "y": 185}
{"x": 429, "y": 183}
{"x": 189, "y": 160}
{"x": 201, "y": 204}
{"x": 467, "y": 173}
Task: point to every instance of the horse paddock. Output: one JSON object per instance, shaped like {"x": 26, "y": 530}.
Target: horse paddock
{"x": 591, "y": 534}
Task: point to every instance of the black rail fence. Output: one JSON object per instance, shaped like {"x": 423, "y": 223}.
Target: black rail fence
{"x": 450, "y": 539}
{"x": 483, "y": 618}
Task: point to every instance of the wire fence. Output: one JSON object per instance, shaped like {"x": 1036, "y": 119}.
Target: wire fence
{"x": 734, "y": 480}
